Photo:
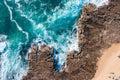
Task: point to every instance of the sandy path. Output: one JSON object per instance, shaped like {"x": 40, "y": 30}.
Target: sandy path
{"x": 109, "y": 64}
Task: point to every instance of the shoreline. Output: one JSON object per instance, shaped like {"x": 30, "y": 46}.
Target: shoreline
{"x": 97, "y": 30}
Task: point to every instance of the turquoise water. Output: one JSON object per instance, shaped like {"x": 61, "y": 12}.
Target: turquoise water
{"x": 26, "y": 22}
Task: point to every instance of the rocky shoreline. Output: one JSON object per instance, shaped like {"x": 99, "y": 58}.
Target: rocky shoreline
{"x": 98, "y": 29}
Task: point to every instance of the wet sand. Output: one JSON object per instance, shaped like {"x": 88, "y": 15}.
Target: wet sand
{"x": 109, "y": 64}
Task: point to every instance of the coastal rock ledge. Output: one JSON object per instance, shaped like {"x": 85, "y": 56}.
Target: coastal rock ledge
{"x": 98, "y": 29}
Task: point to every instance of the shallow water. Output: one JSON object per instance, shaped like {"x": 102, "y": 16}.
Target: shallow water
{"x": 25, "y": 22}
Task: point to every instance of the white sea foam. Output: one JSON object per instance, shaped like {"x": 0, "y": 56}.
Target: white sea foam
{"x": 3, "y": 57}
{"x": 2, "y": 37}
{"x": 74, "y": 39}
{"x": 99, "y": 3}
{"x": 20, "y": 71}
{"x": 10, "y": 64}
{"x": 4, "y": 65}
{"x": 3, "y": 43}
{"x": 17, "y": 0}
{"x": 11, "y": 18}
{"x": 39, "y": 26}
{"x": 2, "y": 46}
{"x": 7, "y": 62}
{"x": 71, "y": 9}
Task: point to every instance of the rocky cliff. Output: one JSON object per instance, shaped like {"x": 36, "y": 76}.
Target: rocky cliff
{"x": 98, "y": 28}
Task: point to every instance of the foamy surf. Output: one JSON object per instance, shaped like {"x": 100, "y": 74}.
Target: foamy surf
{"x": 99, "y": 3}
{"x": 3, "y": 53}
{"x": 11, "y": 67}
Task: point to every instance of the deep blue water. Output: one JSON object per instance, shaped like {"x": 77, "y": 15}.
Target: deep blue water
{"x": 26, "y": 22}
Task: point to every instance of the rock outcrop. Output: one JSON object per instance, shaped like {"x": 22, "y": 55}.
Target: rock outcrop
{"x": 98, "y": 28}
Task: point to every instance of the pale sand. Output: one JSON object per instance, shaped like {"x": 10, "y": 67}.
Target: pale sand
{"x": 108, "y": 64}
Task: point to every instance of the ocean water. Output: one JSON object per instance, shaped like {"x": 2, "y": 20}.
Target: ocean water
{"x": 27, "y": 22}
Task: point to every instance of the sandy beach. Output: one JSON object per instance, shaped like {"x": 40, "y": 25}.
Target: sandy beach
{"x": 109, "y": 64}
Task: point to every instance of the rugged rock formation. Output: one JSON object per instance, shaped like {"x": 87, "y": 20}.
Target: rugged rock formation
{"x": 98, "y": 29}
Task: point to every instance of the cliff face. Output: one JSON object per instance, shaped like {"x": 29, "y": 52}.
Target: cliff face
{"x": 97, "y": 28}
